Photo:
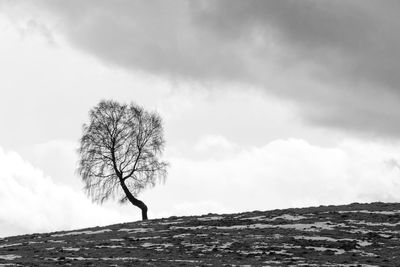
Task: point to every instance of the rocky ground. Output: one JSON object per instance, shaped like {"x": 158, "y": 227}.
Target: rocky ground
{"x": 350, "y": 235}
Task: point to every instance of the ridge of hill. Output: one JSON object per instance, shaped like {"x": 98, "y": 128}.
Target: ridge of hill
{"x": 347, "y": 235}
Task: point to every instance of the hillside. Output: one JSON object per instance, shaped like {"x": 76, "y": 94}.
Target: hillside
{"x": 349, "y": 235}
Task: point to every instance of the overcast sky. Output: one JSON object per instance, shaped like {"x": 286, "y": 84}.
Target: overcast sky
{"x": 266, "y": 104}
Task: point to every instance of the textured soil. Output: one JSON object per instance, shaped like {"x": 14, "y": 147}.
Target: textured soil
{"x": 350, "y": 235}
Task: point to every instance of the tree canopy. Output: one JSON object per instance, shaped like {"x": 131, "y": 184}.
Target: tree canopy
{"x": 120, "y": 152}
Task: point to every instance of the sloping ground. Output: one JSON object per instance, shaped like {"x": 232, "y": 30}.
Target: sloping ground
{"x": 351, "y": 235}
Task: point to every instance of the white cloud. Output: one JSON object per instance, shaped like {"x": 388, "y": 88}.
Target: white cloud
{"x": 281, "y": 174}
{"x": 57, "y": 159}
{"x": 32, "y": 202}
{"x": 215, "y": 145}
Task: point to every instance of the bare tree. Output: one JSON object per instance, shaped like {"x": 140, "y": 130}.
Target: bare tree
{"x": 119, "y": 152}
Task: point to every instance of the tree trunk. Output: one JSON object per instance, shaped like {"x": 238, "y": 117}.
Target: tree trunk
{"x": 136, "y": 202}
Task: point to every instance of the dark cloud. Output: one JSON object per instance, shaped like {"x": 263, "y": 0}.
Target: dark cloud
{"x": 350, "y": 48}
{"x": 354, "y": 38}
{"x": 156, "y": 36}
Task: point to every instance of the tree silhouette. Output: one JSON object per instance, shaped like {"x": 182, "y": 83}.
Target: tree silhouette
{"x": 119, "y": 152}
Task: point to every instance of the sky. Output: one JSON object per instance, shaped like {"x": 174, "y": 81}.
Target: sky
{"x": 265, "y": 104}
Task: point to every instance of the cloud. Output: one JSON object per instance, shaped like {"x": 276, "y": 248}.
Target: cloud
{"x": 32, "y": 202}
{"x": 337, "y": 60}
{"x": 57, "y": 159}
{"x": 59, "y": 86}
{"x": 347, "y": 49}
{"x": 214, "y": 145}
{"x": 281, "y": 174}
